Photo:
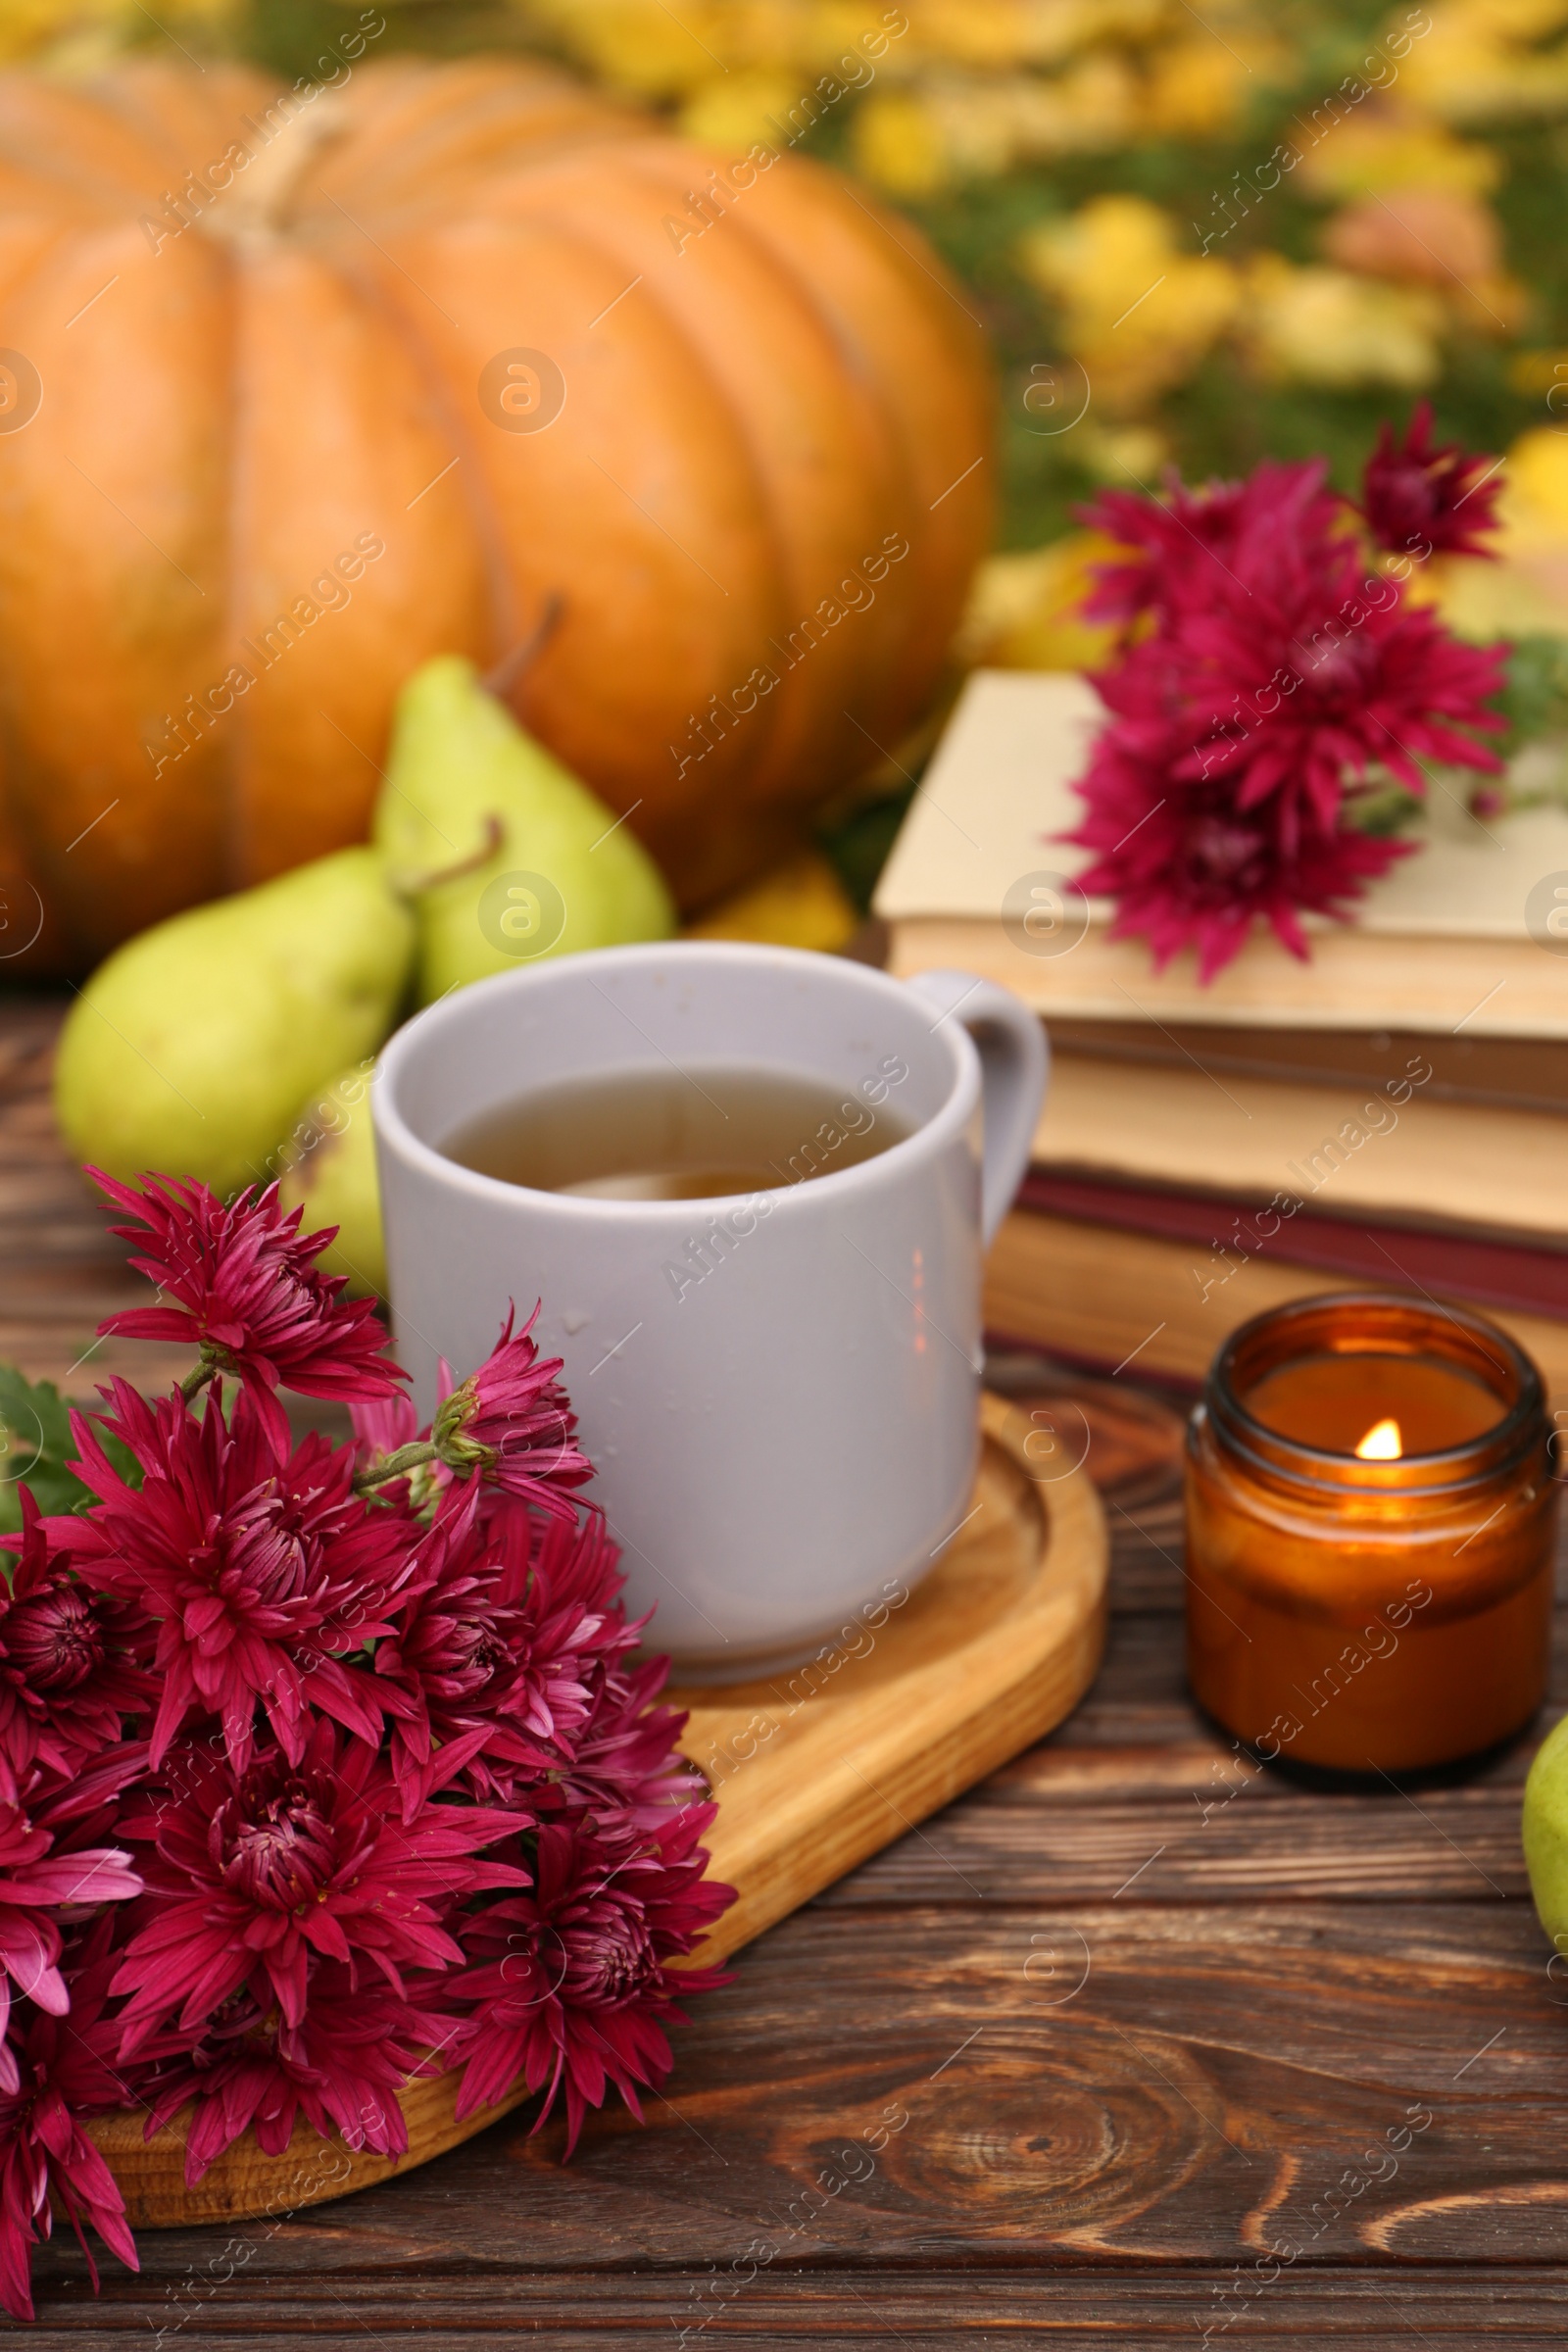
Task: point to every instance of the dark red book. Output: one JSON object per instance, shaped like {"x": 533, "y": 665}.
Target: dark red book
{"x": 1527, "y": 1278}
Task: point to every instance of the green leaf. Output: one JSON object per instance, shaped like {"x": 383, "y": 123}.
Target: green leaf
{"x": 1535, "y": 695}
{"x": 1383, "y": 809}
{"x": 38, "y": 1446}
{"x": 38, "y": 1449}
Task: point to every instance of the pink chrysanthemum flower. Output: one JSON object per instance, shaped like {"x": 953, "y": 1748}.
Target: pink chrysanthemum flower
{"x": 68, "y": 1670}
{"x": 335, "y": 1715}
{"x": 1286, "y": 669}
{"x": 61, "y": 2071}
{"x": 580, "y": 1563}
{"x": 625, "y": 1771}
{"x": 570, "y": 1983}
{"x": 1266, "y": 677}
{"x": 512, "y": 1421}
{"x": 248, "y": 1295}
{"x": 49, "y": 1875}
{"x": 1306, "y": 693}
{"x": 1419, "y": 500}
{"x": 1189, "y": 868}
{"x": 342, "y": 2066}
{"x": 262, "y": 1572}
{"x": 255, "y": 1874}
{"x": 486, "y": 1654}
{"x": 1180, "y": 548}
{"x": 622, "y": 1768}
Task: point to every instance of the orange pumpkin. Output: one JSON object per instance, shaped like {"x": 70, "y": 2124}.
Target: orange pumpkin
{"x": 299, "y": 389}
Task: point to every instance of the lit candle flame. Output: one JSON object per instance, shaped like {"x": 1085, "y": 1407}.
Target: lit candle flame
{"x": 1380, "y": 1443}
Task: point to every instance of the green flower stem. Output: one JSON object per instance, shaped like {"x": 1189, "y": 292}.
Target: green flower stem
{"x": 396, "y": 1465}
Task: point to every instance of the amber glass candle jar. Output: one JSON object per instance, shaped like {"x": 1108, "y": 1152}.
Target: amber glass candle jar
{"x": 1370, "y": 1523}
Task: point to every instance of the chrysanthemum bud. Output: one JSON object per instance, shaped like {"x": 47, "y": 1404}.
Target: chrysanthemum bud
{"x": 511, "y": 1421}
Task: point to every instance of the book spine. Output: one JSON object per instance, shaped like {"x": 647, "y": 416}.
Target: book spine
{"x": 1522, "y": 1277}
{"x": 1139, "y": 1305}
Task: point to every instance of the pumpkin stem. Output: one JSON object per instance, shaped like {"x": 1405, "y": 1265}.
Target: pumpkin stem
{"x": 260, "y": 200}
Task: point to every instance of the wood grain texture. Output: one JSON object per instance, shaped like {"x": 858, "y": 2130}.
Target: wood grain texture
{"x": 1262, "y": 2003}
{"x": 60, "y": 1272}
{"x": 1072, "y": 2309}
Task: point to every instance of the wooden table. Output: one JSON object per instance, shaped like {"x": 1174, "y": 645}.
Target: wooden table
{"x": 1120, "y": 2020}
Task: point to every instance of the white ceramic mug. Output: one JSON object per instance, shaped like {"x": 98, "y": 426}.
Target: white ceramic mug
{"x": 780, "y": 1392}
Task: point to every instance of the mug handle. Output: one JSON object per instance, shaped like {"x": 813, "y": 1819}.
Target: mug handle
{"x": 1015, "y": 1066}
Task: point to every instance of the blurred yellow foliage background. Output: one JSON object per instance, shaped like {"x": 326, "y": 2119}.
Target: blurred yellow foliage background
{"x": 1221, "y": 233}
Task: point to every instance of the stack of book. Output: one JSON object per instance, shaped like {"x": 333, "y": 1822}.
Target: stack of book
{"x": 1392, "y": 1113}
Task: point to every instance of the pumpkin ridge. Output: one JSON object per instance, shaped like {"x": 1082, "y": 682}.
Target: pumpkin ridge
{"x": 18, "y": 818}
{"x": 950, "y": 511}
{"x": 504, "y": 620}
{"x": 879, "y": 698}
{"x": 123, "y": 555}
{"x": 318, "y": 360}
{"x": 237, "y": 262}
{"x": 56, "y": 162}
{"x": 416, "y": 156}
{"x": 673, "y": 347}
{"x": 561, "y": 696}
{"x": 869, "y": 689}
{"x": 757, "y": 747}
{"x": 138, "y": 94}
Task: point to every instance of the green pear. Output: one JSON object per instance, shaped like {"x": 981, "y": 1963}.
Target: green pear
{"x": 191, "y": 1049}
{"x": 507, "y": 856}
{"x": 330, "y": 1172}
{"x": 1545, "y": 1829}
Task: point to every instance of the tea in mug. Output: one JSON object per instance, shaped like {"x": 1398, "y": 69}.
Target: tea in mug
{"x": 665, "y": 1134}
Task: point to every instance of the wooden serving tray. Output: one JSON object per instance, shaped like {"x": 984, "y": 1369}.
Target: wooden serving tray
{"x": 813, "y": 1770}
